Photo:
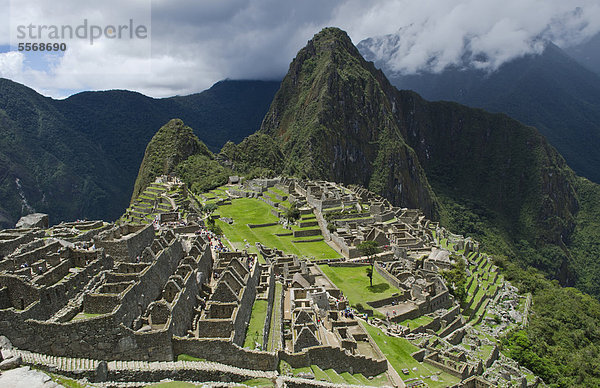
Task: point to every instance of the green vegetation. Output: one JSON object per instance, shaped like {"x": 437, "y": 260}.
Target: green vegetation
{"x": 369, "y": 249}
{"x": 292, "y": 213}
{"x": 83, "y": 315}
{"x": 172, "y": 384}
{"x": 261, "y": 382}
{"x": 252, "y": 211}
{"x": 398, "y": 351}
{"x": 352, "y": 282}
{"x": 64, "y": 381}
{"x": 202, "y": 173}
{"x": 562, "y": 340}
{"x": 254, "y": 334}
{"x": 257, "y": 156}
{"x": 175, "y": 149}
{"x": 417, "y": 322}
{"x": 456, "y": 279}
{"x": 186, "y": 357}
{"x": 275, "y": 329}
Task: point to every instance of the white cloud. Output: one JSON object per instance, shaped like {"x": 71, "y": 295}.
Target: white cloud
{"x": 196, "y": 43}
{"x": 430, "y": 35}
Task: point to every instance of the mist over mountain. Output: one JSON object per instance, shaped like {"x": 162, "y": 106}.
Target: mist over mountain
{"x": 587, "y": 53}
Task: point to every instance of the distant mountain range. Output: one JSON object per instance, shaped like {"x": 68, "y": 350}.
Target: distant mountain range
{"x": 79, "y": 157}
{"x": 551, "y": 91}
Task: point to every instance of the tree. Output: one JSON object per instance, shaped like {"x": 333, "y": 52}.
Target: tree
{"x": 370, "y": 249}
{"x": 213, "y": 227}
{"x": 292, "y": 213}
{"x": 210, "y": 207}
{"x": 331, "y": 227}
{"x": 456, "y": 278}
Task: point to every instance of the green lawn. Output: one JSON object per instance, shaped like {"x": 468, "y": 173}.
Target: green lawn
{"x": 253, "y": 211}
{"x": 254, "y": 334}
{"x": 260, "y": 382}
{"x": 172, "y": 384}
{"x": 398, "y": 352}
{"x": 278, "y": 191}
{"x": 417, "y": 322}
{"x": 354, "y": 283}
{"x": 187, "y": 357}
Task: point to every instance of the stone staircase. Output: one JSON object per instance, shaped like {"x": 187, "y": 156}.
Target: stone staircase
{"x": 83, "y": 366}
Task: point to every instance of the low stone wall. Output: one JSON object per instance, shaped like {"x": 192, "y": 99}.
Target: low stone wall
{"x": 306, "y": 224}
{"x": 141, "y": 371}
{"x": 388, "y": 301}
{"x": 341, "y": 216}
{"x": 242, "y": 318}
{"x": 307, "y": 233}
{"x": 348, "y": 264}
{"x": 269, "y": 201}
{"x": 270, "y": 303}
{"x": 493, "y": 357}
{"x": 433, "y": 325}
{"x": 419, "y": 355}
{"x": 225, "y": 352}
{"x": 451, "y": 314}
{"x": 454, "y": 325}
{"x": 387, "y": 276}
{"x": 411, "y": 314}
{"x": 461, "y": 374}
{"x": 252, "y": 226}
{"x": 186, "y": 229}
{"x": 326, "y": 357}
{"x": 308, "y": 240}
{"x": 360, "y": 222}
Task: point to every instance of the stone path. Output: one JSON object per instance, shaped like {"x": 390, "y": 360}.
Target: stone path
{"x": 25, "y": 377}
{"x": 275, "y": 331}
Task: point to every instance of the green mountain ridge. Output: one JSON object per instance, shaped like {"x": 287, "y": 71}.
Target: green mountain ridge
{"x": 79, "y": 157}
{"x": 550, "y": 91}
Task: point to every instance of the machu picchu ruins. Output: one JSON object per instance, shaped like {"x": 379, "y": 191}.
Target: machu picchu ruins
{"x": 182, "y": 286}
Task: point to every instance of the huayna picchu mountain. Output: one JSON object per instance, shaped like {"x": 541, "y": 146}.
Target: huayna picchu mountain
{"x": 337, "y": 117}
{"x": 336, "y": 122}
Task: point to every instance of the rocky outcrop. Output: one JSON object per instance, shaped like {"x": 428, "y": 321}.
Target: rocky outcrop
{"x": 35, "y": 220}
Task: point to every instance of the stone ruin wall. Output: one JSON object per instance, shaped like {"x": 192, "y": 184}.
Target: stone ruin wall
{"x": 245, "y": 307}
{"x": 125, "y": 247}
{"x": 106, "y": 337}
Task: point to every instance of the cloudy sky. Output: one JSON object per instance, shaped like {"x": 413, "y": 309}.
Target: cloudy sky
{"x": 192, "y": 44}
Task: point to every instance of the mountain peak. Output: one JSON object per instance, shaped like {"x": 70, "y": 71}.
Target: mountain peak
{"x": 332, "y": 38}
{"x": 173, "y": 143}
{"x": 333, "y": 117}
